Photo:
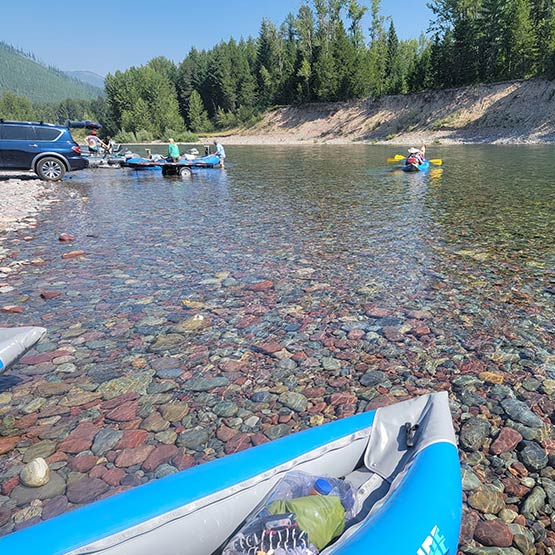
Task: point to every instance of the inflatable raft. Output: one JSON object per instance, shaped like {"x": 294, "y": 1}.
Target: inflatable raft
{"x": 16, "y": 341}
{"x": 415, "y": 166}
{"x": 402, "y": 461}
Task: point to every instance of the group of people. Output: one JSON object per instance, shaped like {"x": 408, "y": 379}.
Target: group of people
{"x": 174, "y": 154}
{"x": 95, "y": 143}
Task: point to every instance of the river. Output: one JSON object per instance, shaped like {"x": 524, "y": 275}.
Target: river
{"x": 316, "y": 269}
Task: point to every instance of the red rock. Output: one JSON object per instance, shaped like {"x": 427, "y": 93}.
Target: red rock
{"x": 381, "y": 401}
{"x": 356, "y": 334}
{"x": 43, "y": 357}
{"x": 80, "y": 439}
{"x": 72, "y": 254}
{"x": 268, "y": 348}
{"x": 225, "y": 434}
{"x": 124, "y": 413}
{"x": 12, "y": 309}
{"x": 183, "y": 461}
{"x": 83, "y": 463}
{"x": 232, "y": 365}
{"x": 246, "y": 322}
{"x": 259, "y": 438}
{"x": 263, "y": 285}
{"x": 468, "y": 525}
{"x": 98, "y": 471}
{"x": 314, "y": 392}
{"x": 50, "y": 294}
{"x": 161, "y": 454}
{"x": 25, "y": 422}
{"x": 341, "y": 411}
{"x": 239, "y": 443}
{"x": 9, "y": 484}
{"x": 7, "y": 444}
{"x": 493, "y": 533}
{"x": 129, "y": 457}
{"x": 54, "y": 507}
{"x": 117, "y": 401}
{"x": 57, "y": 457}
{"x": 113, "y": 476}
{"x": 392, "y": 333}
{"x": 421, "y": 330}
{"x": 519, "y": 469}
{"x": 513, "y": 487}
{"x": 66, "y": 237}
{"x": 86, "y": 490}
{"x": 377, "y": 312}
{"x": 507, "y": 440}
{"x": 342, "y": 397}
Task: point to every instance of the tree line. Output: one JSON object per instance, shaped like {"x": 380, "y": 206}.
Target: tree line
{"x": 324, "y": 54}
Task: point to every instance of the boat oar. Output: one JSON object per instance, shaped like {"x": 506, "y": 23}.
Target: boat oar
{"x": 397, "y": 158}
{"x": 436, "y": 162}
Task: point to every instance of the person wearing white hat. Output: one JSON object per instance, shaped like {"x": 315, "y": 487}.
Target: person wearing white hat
{"x": 418, "y": 153}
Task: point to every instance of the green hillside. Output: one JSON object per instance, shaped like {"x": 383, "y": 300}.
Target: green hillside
{"x": 26, "y": 77}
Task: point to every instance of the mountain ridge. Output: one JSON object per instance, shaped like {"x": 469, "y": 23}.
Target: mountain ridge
{"x": 23, "y": 75}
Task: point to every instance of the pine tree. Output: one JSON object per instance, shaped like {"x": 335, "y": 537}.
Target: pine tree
{"x": 197, "y": 116}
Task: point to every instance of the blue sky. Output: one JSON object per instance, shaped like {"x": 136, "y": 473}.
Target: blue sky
{"x": 106, "y": 36}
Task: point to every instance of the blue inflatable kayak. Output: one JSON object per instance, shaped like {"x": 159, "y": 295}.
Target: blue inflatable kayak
{"x": 401, "y": 460}
{"x": 415, "y": 167}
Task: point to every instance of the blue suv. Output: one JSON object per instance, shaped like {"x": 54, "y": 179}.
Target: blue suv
{"x": 48, "y": 150}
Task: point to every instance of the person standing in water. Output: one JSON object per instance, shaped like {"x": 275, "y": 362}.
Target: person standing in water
{"x": 173, "y": 151}
{"x": 220, "y": 153}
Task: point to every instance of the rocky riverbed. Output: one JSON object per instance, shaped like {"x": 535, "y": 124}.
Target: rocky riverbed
{"x": 172, "y": 341}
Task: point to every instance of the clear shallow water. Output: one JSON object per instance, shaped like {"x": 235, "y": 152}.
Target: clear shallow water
{"x": 373, "y": 281}
{"x": 333, "y": 227}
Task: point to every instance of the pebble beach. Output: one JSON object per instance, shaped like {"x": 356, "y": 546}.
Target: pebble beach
{"x": 204, "y": 340}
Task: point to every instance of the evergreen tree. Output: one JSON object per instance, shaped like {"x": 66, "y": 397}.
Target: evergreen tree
{"x": 197, "y": 116}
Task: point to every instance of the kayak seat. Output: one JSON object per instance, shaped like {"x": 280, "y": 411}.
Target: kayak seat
{"x": 369, "y": 489}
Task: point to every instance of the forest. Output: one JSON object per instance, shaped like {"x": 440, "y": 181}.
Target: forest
{"x": 324, "y": 54}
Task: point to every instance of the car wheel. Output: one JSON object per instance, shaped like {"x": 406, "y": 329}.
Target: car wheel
{"x": 50, "y": 169}
{"x": 185, "y": 172}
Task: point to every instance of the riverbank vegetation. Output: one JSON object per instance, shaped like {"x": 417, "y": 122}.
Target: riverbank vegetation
{"x": 324, "y": 54}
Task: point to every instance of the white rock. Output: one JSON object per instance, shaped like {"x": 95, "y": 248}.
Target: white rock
{"x": 36, "y": 473}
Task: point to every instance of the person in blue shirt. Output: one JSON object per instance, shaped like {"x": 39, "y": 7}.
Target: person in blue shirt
{"x": 220, "y": 153}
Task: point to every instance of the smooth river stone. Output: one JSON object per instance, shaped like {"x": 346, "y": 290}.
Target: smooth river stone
{"x": 169, "y": 342}
{"x": 293, "y": 400}
{"x": 487, "y": 500}
{"x": 105, "y": 440}
{"x": 494, "y": 533}
{"x": 519, "y": 411}
{"x": 173, "y": 412}
{"x": 373, "y": 378}
{"x": 474, "y": 432}
{"x": 194, "y": 439}
{"x": 277, "y": 431}
{"x": 136, "y": 382}
{"x": 533, "y": 456}
{"x": 23, "y": 495}
{"x": 42, "y": 449}
{"x": 86, "y": 490}
{"x": 130, "y": 457}
{"x": 205, "y": 384}
{"x": 36, "y": 473}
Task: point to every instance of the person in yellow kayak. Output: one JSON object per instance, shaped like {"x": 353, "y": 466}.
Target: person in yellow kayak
{"x": 173, "y": 151}
{"x": 419, "y": 155}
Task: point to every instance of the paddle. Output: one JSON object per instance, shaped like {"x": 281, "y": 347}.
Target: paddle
{"x": 396, "y": 158}
{"x": 400, "y": 158}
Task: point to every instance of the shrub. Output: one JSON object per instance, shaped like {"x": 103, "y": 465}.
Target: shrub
{"x": 125, "y": 137}
{"x": 143, "y": 136}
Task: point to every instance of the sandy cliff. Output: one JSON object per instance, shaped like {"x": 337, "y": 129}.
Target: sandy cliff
{"x": 515, "y": 112}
